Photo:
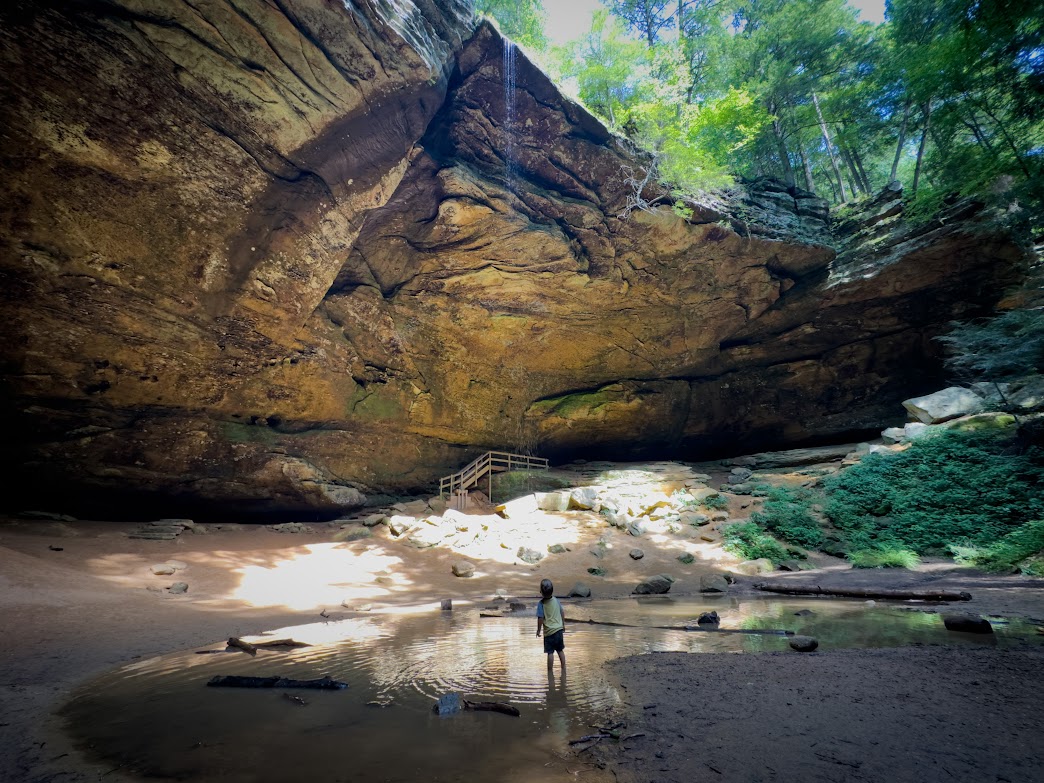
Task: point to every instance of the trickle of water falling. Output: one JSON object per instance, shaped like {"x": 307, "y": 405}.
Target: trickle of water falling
{"x": 508, "y": 69}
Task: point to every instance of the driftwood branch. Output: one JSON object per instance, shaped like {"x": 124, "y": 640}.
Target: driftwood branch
{"x": 904, "y": 595}
{"x": 235, "y": 681}
{"x": 492, "y": 706}
{"x": 247, "y": 647}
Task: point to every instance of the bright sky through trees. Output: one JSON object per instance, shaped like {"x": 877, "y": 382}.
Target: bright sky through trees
{"x": 569, "y": 19}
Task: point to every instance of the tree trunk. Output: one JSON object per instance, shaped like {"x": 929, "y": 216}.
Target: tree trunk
{"x": 830, "y": 148}
{"x": 926, "y": 110}
{"x": 781, "y": 146}
{"x": 807, "y": 168}
{"x": 902, "y": 140}
{"x": 864, "y": 178}
{"x": 1011, "y": 142}
{"x": 910, "y": 595}
{"x": 853, "y": 174}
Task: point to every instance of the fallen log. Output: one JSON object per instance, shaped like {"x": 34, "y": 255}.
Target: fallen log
{"x": 265, "y": 643}
{"x": 902, "y": 595}
{"x": 236, "y": 681}
{"x": 690, "y": 628}
{"x": 492, "y": 706}
{"x": 239, "y": 644}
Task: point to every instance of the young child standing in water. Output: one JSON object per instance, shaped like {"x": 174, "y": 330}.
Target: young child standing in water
{"x": 551, "y": 622}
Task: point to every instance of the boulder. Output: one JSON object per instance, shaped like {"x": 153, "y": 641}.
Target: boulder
{"x": 163, "y": 569}
{"x": 702, "y": 493}
{"x": 584, "y": 498}
{"x": 463, "y": 569}
{"x": 580, "y": 590}
{"x": 739, "y": 475}
{"x": 530, "y": 556}
{"x": 967, "y": 623}
{"x": 352, "y": 533}
{"x": 792, "y": 565}
{"x": 636, "y": 554}
{"x": 916, "y": 429}
{"x": 654, "y": 585}
{"x": 708, "y": 618}
{"x": 944, "y": 405}
{"x": 374, "y": 519}
{"x": 553, "y": 501}
{"x": 713, "y": 583}
{"x": 399, "y": 524}
{"x": 803, "y": 643}
{"x": 693, "y": 518}
{"x": 894, "y": 435}
{"x": 686, "y": 558}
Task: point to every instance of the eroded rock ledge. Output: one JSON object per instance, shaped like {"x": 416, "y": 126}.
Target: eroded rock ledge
{"x": 276, "y": 256}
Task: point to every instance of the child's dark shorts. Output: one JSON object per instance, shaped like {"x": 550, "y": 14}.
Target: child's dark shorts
{"x": 555, "y": 642}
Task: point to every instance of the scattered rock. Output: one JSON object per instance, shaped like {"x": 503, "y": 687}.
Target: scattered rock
{"x": 792, "y": 565}
{"x": 580, "y": 590}
{"x": 803, "y": 643}
{"x": 894, "y": 435}
{"x": 693, "y": 518}
{"x": 713, "y": 583}
{"x": 740, "y": 475}
{"x": 353, "y": 533}
{"x": 163, "y": 569}
{"x": 530, "y": 556}
{"x": 437, "y": 504}
{"x": 585, "y": 498}
{"x": 967, "y": 623}
{"x": 617, "y": 518}
{"x": 719, "y": 516}
{"x": 178, "y": 588}
{"x": 655, "y": 585}
{"x": 944, "y": 405}
{"x": 447, "y": 603}
{"x": 708, "y": 618}
{"x": 636, "y": 554}
{"x": 598, "y": 552}
{"x": 754, "y": 567}
{"x": 414, "y": 508}
{"x": 374, "y": 519}
{"x": 384, "y": 580}
{"x": 686, "y": 558}
{"x": 290, "y": 527}
{"x": 594, "y": 571}
{"x": 804, "y": 613}
{"x": 463, "y": 569}
{"x": 557, "y": 549}
{"x": 636, "y": 529}
{"x": 516, "y": 606}
{"x": 916, "y": 429}
{"x": 553, "y": 501}
{"x": 398, "y": 524}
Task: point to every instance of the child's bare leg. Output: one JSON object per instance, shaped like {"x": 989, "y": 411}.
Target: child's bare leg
{"x": 561, "y": 658}
{"x": 550, "y": 660}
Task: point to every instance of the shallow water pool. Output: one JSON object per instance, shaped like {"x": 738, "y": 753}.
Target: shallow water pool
{"x": 158, "y": 718}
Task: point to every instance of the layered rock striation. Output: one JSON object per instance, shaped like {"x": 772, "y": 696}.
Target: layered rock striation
{"x": 279, "y": 256}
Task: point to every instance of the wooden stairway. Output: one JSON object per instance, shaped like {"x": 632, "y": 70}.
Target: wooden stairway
{"x": 489, "y": 463}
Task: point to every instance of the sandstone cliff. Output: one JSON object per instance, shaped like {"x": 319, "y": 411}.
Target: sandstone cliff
{"x": 273, "y": 256}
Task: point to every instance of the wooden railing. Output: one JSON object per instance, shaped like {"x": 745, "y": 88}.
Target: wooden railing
{"x": 489, "y": 463}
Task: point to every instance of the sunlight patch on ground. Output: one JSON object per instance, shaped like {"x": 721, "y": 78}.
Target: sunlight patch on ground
{"x": 314, "y": 575}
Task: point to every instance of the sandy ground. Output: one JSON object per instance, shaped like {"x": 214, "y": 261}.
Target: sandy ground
{"x": 75, "y": 601}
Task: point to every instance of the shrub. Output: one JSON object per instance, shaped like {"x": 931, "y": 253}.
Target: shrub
{"x": 716, "y": 502}
{"x": 750, "y": 542}
{"x": 884, "y": 557}
{"x": 1008, "y": 553}
{"x": 954, "y": 487}
{"x": 517, "y": 483}
{"x": 788, "y": 514}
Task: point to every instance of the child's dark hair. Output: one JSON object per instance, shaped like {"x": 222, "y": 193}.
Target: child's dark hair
{"x": 546, "y": 588}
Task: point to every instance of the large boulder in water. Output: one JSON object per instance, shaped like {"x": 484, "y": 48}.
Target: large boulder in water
{"x": 654, "y": 585}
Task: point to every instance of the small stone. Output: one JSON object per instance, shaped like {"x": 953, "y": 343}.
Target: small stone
{"x": 580, "y": 590}
{"x": 584, "y": 498}
{"x": 373, "y": 520}
{"x": 530, "y": 556}
{"x": 790, "y": 565}
{"x": 967, "y": 623}
{"x": 353, "y": 533}
{"x": 686, "y": 558}
{"x": 803, "y": 643}
{"x": 894, "y": 435}
{"x": 740, "y": 475}
{"x": 713, "y": 583}
{"x": 446, "y": 605}
{"x": 636, "y": 554}
{"x": 178, "y": 588}
{"x": 636, "y": 529}
{"x": 557, "y": 549}
{"x": 163, "y": 569}
{"x": 596, "y": 571}
{"x": 656, "y": 585}
{"x": 384, "y": 580}
{"x": 804, "y": 613}
{"x": 399, "y": 524}
{"x": 463, "y": 569}
{"x": 291, "y": 527}
{"x": 598, "y": 552}
{"x": 708, "y": 618}
{"x": 719, "y": 516}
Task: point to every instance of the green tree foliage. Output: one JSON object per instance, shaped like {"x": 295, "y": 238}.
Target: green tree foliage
{"x": 520, "y": 20}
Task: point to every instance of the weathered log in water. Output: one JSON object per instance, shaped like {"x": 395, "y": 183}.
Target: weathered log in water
{"x": 236, "y": 681}
{"x": 902, "y": 595}
{"x": 690, "y": 628}
{"x": 492, "y": 706}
